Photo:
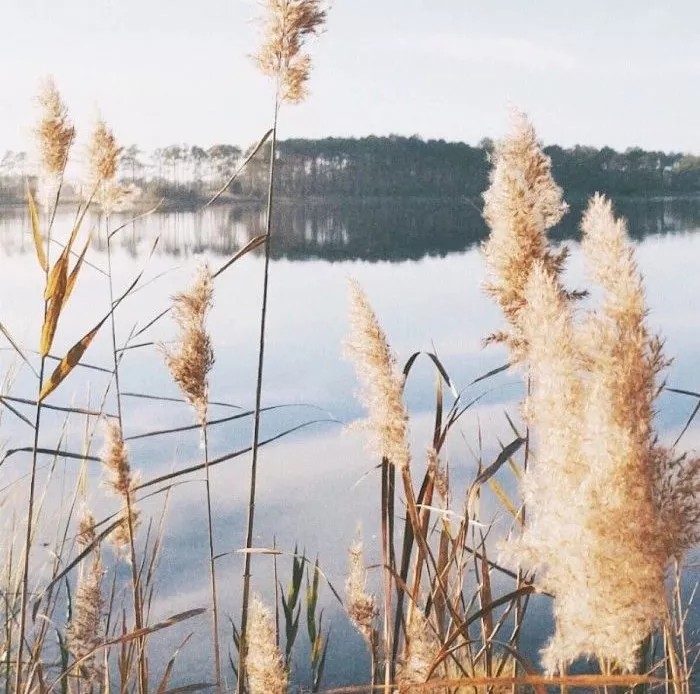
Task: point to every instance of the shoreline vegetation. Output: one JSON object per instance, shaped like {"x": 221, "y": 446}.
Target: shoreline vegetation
{"x": 186, "y": 177}
{"x": 604, "y": 515}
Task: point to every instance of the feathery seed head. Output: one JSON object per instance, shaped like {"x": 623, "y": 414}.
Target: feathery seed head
{"x": 522, "y": 202}
{"x": 420, "y": 652}
{"x": 84, "y": 630}
{"x": 360, "y": 604}
{"x": 287, "y": 24}
{"x": 103, "y": 160}
{"x": 381, "y": 382}
{"x": 265, "y": 666}
{"x": 103, "y": 153}
{"x": 122, "y": 482}
{"x": 193, "y": 358}
{"x": 54, "y": 131}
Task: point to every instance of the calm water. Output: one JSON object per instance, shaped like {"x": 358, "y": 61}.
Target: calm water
{"x": 420, "y": 266}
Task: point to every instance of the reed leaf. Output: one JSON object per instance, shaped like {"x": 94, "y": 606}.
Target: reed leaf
{"x": 36, "y": 231}
{"x": 68, "y": 363}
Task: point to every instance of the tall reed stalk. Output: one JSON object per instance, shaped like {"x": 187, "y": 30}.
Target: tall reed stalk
{"x": 103, "y": 158}
{"x": 189, "y": 364}
{"x": 287, "y": 24}
{"x": 55, "y": 134}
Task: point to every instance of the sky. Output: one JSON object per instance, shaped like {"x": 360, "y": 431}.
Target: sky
{"x": 592, "y": 72}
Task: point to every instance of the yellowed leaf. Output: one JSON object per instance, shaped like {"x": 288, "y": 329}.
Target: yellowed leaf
{"x": 68, "y": 363}
{"x": 500, "y": 493}
{"x": 36, "y": 231}
{"x": 53, "y": 306}
{"x": 74, "y": 273}
{"x": 57, "y": 277}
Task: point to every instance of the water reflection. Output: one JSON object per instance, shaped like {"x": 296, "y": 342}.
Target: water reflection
{"x": 374, "y": 230}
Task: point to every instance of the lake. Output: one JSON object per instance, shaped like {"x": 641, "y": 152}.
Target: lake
{"x": 420, "y": 265}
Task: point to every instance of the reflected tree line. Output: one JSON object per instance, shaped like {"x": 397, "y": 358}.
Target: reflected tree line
{"x": 372, "y": 230}
{"x": 372, "y": 166}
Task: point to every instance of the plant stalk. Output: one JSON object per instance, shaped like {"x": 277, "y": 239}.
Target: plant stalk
{"x": 240, "y": 686}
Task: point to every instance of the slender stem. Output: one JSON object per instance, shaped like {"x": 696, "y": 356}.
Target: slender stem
{"x": 240, "y": 686}
{"x": 135, "y": 583}
{"x": 212, "y": 572}
{"x": 28, "y": 537}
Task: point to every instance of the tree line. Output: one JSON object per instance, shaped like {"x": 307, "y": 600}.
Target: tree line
{"x": 392, "y": 166}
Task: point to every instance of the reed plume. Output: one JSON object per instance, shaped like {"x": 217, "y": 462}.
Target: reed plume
{"x": 617, "y": 596}
{"x": 287, "y": 25}
{"x": 381, "y": 381}
{"x": 122, "y": 482}
{"x": 84, "y": 632}
{"x": 521, "y": 203}
{"x": 103, "y": 161}
{"x": 420, "y": 652}
{"x": 551, "y": 543}
{"x": 360, "y": 604}
{"x": 54, "y": 135}
{"x": 265, "y": 665}
{"x": 189, "y": 365}
{"x": 54, "y": 131}
{"x": 193, "y": 358}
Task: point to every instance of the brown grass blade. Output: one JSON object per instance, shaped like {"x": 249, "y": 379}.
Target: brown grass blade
{"x": 36, "y": 231}
{"x": 67, "y": 364}
{"x": 17, "y": 348}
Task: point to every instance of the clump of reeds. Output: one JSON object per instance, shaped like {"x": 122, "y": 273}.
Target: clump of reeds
{"x": 103, "y": 162}
{"x": 190, "y": 362}
{"x": 521, "y": 203}
{"x": 84, "y": 632}
{"x": 601, "y": 528}
{"x": 287, "y": 24}
{"x": 264, "y": 663}
{"x": 122, "y": 482}
{"x": 381, "y": 381}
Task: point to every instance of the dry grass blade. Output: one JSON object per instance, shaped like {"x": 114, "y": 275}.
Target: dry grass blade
{"x": 239, "y": 170}
{"x": 17, "y": 348}
{"x": 130, "y": 636}
{"x": 228, "y": 456}
{"x": 68, "y": 363}
{"x": 47, "y": 451}
{"x": 36, "y": 231}
{"x": 491, "y": 470}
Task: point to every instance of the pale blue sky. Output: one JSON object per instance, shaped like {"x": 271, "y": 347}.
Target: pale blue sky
{"x": 161, "y": 71}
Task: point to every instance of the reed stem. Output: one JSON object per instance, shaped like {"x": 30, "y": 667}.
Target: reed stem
{"x": 240, "y": 687}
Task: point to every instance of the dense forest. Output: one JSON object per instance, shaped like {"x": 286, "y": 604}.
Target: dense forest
{"x": 374, "y": 167}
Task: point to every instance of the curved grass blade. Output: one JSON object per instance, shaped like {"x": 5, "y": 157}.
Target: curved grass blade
{"x": 228, "y": 456}
{"x": 491, "y": 470}
{"x": 438, "y": 365}
{"x": 136, "y": 218}
{"x": 239, "y": 170}
{"x": 493, "y": 372}
{"x": 164, "y": 398}
{"x": 36, "y": 231}
{"x": 17, "y": 349}
{"x": 48, "y": 451}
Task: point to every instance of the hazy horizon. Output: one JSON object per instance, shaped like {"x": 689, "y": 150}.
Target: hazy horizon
{"x": 163, "y": 73}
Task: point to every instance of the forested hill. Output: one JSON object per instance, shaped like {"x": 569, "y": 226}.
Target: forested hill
{"x": 371, "y": 167}
{"x": 401, "y": 166}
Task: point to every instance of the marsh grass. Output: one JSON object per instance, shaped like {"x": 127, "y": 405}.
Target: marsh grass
{"x": 445, "y": 607}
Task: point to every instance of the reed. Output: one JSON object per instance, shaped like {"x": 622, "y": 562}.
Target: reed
{"x": 287, "y": 24}
{"x": 611, "y": 512}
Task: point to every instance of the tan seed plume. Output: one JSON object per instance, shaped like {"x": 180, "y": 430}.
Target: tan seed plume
{"x": 522, "y": 202}
{"x": 191, "y": 361}
{"x": 103, "y": 161}
{"x": 360, "y": 604}
{"x": 54, "y": 131}
{"x": 84, "y": 633}
{"x": 122, "y": 482}
{"x": 381, "y": 382}
{"x": 420, "y": 652}
{"x": 287, "y": 24}
{"x": 264, "y": 663}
